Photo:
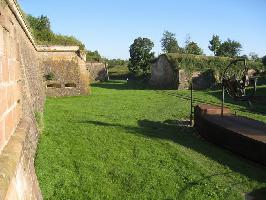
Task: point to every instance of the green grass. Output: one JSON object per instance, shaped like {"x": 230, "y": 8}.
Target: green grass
{"x": 121, "y": 143}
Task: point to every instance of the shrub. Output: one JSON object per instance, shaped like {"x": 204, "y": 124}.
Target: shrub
{"x": 50, "y": 76}
{"x": 191, "y": 63}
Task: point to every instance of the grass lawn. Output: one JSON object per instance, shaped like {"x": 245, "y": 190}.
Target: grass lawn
{"x": 121, "y": 143}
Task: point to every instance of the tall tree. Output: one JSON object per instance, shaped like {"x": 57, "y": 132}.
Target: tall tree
{"x": 169, "y": 43}
{"x": 141, "y": 56}
{"x": 193, "y": 48}
{"x": 215, "y": 44}
{"x": 229, "y": 48}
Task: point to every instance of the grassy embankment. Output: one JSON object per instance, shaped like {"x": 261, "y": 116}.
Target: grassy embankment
{"x": 123, "y": 143}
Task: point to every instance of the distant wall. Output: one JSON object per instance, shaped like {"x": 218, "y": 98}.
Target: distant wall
{"x": 164, "y": 75}
{"x": 68, "y": 70}
{"x": 97, "y": 71}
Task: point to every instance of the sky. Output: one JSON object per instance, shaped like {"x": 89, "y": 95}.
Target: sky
{"x": 110, "y": 26}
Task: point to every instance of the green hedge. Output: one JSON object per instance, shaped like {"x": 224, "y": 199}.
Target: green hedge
{"x": 191, "y": 63}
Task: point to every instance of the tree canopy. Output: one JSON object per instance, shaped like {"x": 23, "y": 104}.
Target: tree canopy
{"x": 253, "y": 56}
{"x": 193, "y": 48}
{"x": 93, "y": 56}
{"x": 169, "y": 43}
{"x": 41, "y": 29}
{"x": 141, "y": 56}
{"x": 228, "y": 48}
{"x": 215, "y": 44}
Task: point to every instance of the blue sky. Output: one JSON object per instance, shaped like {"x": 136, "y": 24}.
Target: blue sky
{"x": 110, "y": 26}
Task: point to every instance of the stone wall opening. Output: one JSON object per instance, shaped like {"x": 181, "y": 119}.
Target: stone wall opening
{"x": 71, "y": 85}
{"x": 54, "y": 85}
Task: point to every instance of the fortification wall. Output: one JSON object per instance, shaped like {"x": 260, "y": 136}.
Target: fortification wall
{"x": 23, "y": 66}
{"x": 65, "y": 71}
{"x": 97, "y": 70}
{"x": 22, "y": 94}
{"x": 163, "y": 76}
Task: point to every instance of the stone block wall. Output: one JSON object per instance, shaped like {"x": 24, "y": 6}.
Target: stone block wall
{"x": 164, "y": 75}
{"x": 68, "y": 71}
{"x": 22, "y": 96}
{"x": 97, "y": 71}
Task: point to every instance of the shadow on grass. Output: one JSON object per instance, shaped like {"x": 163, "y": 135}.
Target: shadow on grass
{"x": 125, "y": 85}
{"x": 180, "y": 133}
{"x": 241, "y": 106}
{"x": 256, "y": 108}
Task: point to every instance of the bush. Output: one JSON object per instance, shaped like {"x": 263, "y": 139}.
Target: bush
{"x": 93, "y": 56}
{"x": 192, "y": 63}
{"x": 50, "y": 76}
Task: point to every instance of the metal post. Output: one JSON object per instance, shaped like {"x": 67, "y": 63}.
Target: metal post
{"x": 107, "y": 71}
{"x": 222, "y": 109}
{"x": 191, "y": 103}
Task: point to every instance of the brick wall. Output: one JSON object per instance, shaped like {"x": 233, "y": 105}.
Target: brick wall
{"x": 10, "y": 87}
{"x": 22, "y": 95}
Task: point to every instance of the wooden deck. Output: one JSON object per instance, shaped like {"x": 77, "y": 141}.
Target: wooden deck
{"x": 242, "y": 135}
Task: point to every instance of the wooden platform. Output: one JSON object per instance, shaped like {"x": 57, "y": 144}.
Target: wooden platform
{"x": 242, "y": 135}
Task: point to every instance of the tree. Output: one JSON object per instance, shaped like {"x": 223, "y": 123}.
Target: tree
{"x": 215, "y": 44}
{"x": 169, "y": 43}
{"x": 264, "y": 60}
{"x": 253, "y": 56}
{"x": 41, "y": 29}
{"x": 193, "y": 48}
{"x": 93, "y": 56}
{"x": 229, "y": 48}
{"x": 244, "y": 56}
{"x": 140, "y": 56}
{"x": 41, "y": 23}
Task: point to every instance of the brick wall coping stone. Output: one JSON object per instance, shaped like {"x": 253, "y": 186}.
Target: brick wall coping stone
{"x": 16, "y": 11}
{"x": 58, "y": 48}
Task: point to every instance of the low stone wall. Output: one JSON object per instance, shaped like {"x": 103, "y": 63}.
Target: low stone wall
{"x": 97, "y": 71}
{"x": 201, "y": 80}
